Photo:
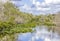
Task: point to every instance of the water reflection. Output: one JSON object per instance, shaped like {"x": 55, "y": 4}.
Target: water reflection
{"x": 41, "y": 34}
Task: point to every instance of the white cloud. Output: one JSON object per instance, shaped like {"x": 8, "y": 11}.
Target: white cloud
{"x": 47, "y": 6}
{"x": 33, "y": 1}
{"x": 50, "y": 6}
{"x": 43, "y": 4}
{"x": 43, "y": 8}
{"x": 26, "y": 7}
{"x": 46, "y": 9}
{"x": 56, "y": 1}
{"x": 48, "y": 1}
{"x": 52, "y": 1}
{"x": 37, "y": 3}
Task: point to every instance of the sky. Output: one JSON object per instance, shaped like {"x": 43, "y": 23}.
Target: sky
{"x": 38, "y": 6}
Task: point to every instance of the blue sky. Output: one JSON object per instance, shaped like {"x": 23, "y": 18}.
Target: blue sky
{"x": 38, "y": 6}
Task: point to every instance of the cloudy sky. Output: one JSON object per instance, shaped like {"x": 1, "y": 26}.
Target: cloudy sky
{"x": 38, "y": 6}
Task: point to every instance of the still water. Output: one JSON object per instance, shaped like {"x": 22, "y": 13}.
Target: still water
{"x": 40, "y": 34}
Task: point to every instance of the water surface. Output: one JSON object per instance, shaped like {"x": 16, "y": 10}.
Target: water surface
{"x": 40, "y": 34}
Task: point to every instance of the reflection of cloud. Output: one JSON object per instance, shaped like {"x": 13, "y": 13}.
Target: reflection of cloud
{"x": 47, "y": 39}
{"x": 41, "y": 34}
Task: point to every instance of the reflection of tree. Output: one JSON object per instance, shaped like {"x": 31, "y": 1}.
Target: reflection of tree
{"x": 19, "y": 40}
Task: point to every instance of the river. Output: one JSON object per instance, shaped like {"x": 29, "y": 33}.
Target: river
{"x": 40, "y": 33}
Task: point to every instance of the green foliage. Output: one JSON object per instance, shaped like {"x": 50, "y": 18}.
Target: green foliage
{"x": 10, "y": 26}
